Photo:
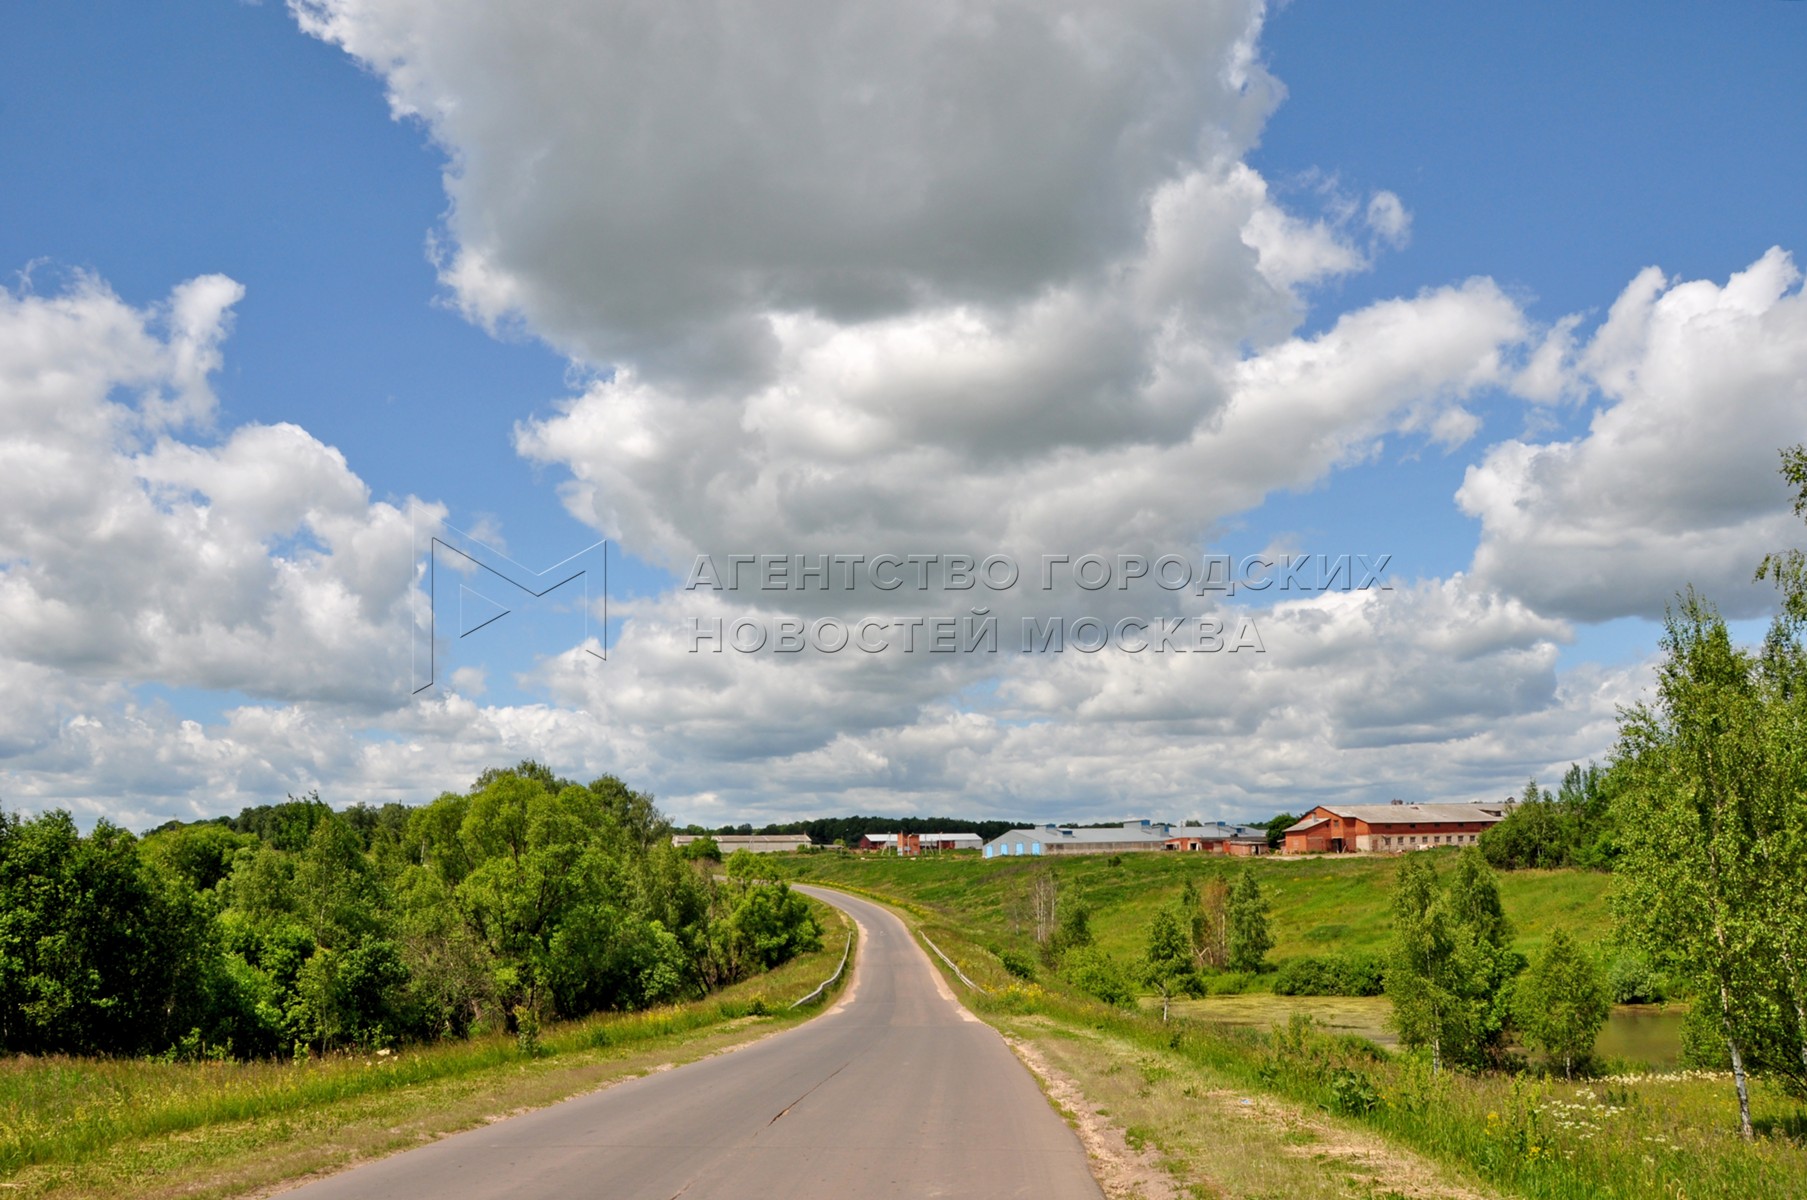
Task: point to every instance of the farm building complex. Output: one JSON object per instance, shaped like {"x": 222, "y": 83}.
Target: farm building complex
{"x": 917, "y": 843}
{"x": 1390, "y": 828}
{"x": 1219, "y": 838}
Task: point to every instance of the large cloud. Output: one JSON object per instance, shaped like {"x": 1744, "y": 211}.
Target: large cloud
{"x": 127, "y": 554}
{"x": 1675, "y": 481}
{"x": 643, "y": 181}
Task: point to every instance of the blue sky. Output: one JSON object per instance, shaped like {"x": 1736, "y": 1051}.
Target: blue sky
{"x": 1554, "y": 151}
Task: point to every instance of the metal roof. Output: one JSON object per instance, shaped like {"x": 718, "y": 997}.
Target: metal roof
{"x": 1217, "y": 831}
{"x": 1129, "y": 831}
{"x": 1406, "y": 814}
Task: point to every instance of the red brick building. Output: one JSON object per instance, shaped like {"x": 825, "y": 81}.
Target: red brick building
{"x": 916, "y": 843}
{"x": 1219, "y": 838}
{"x": 1390, "y": 828}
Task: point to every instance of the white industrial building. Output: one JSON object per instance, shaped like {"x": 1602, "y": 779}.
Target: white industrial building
{"x": 1128, "y": 837}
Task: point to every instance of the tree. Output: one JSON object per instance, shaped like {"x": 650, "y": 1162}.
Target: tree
{"x": 1209, "y": 924}
{"x": 97, "y": 954}
{"x": 743, "y": 866}
{"x": 1276, "y": 829}
{"x": 1418, "y": 978}
{"x": 1075, "y": 930}
{"x": 1449, "y": 963}
{"x": 704, "y": 849}
{"x": 1044, "y": 901}
{"x": 1782, "y": 852}
{"x": 1167, "y": 957}
{"x": 1690, "y": 884}
{"x": 1562, "y": 1002}
{"x": 1788, "y": 568}
{"x": 296, "y": 926}
{"x": 1571, "y": 828}
{"x": 1249, "y": 939}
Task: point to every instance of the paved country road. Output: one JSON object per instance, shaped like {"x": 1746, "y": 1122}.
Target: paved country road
{"x": 897, "y": 1092}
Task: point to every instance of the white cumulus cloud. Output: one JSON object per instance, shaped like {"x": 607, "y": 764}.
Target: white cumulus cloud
{"x": 1699, "y": 384}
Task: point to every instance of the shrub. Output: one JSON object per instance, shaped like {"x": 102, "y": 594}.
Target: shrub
{"x": 704, "y": 849}
{"x": 1223, "y": 983}
{"x": 1096, "y": 973}
{"x": 1331, "y": 975}
{"x": 1352, "y": 1093}
{"x": 1630, "y": 979}
{"x": 1016, "y": 962}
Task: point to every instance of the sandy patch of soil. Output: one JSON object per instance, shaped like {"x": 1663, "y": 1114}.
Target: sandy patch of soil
{"x": 1124, "y": 1172}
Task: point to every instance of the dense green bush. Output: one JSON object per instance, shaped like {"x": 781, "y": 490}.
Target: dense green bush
{"x": 1351, "y": 974}
{"x": 1016, "y": 962}
{"x": 1631, "y": 979}
{"x": 1097, "y": 974}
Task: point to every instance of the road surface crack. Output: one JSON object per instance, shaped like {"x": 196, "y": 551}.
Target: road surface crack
{"x": 805, "y": 1095}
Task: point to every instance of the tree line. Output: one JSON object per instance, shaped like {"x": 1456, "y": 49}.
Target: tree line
{"x": 295, "y": 929}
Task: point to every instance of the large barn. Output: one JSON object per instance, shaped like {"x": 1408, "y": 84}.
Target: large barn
{"x": 1131, "y": 836}
{"x": 1390, "y": 828}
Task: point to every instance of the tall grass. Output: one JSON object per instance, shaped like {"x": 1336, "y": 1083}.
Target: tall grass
{"x": 1618, "y": 1138}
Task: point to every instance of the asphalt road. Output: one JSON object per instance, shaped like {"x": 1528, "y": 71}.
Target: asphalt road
{"x": 895, "y": 1092}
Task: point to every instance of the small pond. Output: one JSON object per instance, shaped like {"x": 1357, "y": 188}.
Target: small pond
{"x": 1646, "y": 1034}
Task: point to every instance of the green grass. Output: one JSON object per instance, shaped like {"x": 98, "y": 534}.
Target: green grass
{"x": 58, "y": 1113}
{"x": 1619, "y": 1138}
{"x": 1627, "y": 1136}
{"x": 1317, "y": 905}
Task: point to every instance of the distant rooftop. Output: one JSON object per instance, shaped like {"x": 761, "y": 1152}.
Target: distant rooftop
{"x": 1128, "y": 831}
{"x": 1405, "y": 814}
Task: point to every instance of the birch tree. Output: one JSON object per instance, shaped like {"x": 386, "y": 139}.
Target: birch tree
{"x": 1562, "y": 1002}
{"x": 1691, "y": 881}
{"x": 1249, "y": 938}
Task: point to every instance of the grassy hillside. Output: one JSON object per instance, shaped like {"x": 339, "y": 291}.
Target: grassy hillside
{"x": 1318, "y": 905}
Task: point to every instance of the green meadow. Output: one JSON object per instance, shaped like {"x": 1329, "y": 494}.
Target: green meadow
{"x": 1317, "y": 905}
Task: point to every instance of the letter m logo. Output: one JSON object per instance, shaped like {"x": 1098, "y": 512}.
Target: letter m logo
{"x": 473, "y": 601}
